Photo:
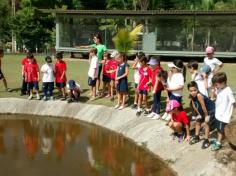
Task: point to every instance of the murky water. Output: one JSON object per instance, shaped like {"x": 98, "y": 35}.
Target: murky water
{"x": 46, "y": 146}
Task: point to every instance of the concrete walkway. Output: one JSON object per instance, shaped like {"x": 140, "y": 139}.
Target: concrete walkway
{"x": 186, "y": 160}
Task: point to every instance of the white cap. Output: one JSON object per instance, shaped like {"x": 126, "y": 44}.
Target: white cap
{"x": 114, "y": 53}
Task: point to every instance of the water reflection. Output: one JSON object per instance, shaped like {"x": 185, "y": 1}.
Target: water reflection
{"x": 48, "y": 146}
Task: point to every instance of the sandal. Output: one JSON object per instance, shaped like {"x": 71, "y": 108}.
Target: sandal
{"x": 205, "y": 144}
{"x": 194, "y": 140}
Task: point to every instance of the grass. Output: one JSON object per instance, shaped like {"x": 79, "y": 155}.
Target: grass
{"x": 77, "y": 70}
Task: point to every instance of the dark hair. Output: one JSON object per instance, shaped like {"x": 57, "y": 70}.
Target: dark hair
{"x": 143, "y": 59}
{"x": 107, "y": 54}
{"x": 98, "y": 36}
{"x": 1, "y": 51}
{"x": 193, "y": 64}
{"x": 123, "y": 55}
{"x": 93, "y": 50}
{"x": 59, "y": 55}
{"x": 30, "y": 56}
{"x": 48, "y": 58}
{"x": 163, "y": 74}
{"x": 219, "y": 77}
{"x": 179, "y": 63}
{"x": 192, "y": 84}
{"x": 140, "y": 54}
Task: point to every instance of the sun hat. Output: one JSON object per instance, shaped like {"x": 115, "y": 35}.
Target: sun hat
{"x": 72, "y": 84}
{"x": 210, "y": 50}
{"x": 153, "y": 61}
{"x": 172, "y": 104}
{"x": 206, "y": 69}
{"x": 171, "y": 65}
{"x": 114, "y": 53}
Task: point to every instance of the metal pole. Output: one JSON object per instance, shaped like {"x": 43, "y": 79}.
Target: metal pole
{"x": 13, "y": 35}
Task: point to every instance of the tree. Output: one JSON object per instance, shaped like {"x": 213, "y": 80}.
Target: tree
{"x": 4, "y": 18}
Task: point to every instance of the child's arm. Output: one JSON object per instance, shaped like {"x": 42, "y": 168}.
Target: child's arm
{"x": 155, "y": 85}
{"x": 180, "y": 87}
{"x": 134, "y": 66}
{"x": 205, "y": 80}
{"x": 217, "y": 68}
{"x": 63, "y": 74}
{"x": 125, "y": 74}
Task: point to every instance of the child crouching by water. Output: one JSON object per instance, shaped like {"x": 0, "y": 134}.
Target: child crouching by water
{"x": 179, "y": 120}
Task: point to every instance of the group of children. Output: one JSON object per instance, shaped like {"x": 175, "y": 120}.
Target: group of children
{"x": 211, "y": 100}
{"x": 51, "y": 73}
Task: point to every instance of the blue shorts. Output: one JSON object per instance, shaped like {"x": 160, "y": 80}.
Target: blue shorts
{"x": 173, "y": 97}
{"x": 220, "y": 126}
{"x": 92, "y": 82}
{"x": 60, "y": 85}
{"x": 106, "y": 79}
{"x": 33, "y": 84}
{"x": 143, "y": 92}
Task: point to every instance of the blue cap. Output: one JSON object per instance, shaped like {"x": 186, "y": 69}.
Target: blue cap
{"x": 72, "y": 84}
{"x": 206, "y": 69}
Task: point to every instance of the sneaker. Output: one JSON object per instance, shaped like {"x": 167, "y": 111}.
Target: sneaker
{"x": 164, "y": 116}
{"x": 117, "y": 106}
{"x": 121, "y": 107}
{"x": 216, "y": 146}
{"x": 69, "y": 100}
{"x": 146, "y": 112}
{"x": 45, "y": 98}
{"x": 151, "y": 115}
{"x": 30, "y": 97}
{"x": 180, "y": 137}
{"x": 138, "y": 113}
{"x": 51, "y": 98}
{"x": 134, "y": 106}
{"x": 205, "y": 144}
{"x": 38, "y": 97}
{"x": 156, "y": 117}
{"x": 194, "y": 140}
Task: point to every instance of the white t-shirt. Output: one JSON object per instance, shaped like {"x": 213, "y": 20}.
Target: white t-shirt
{"x": 176, "y": 80}
{"x": 224, "y": 104}
{"x": 78, "y": 87}
{"x": 48, "y": 75}
{"x": 93, "y": 67}
{"x": 198, "y": 78}
{"x": 136, "y": 73}
{"x": 212, "y": 63}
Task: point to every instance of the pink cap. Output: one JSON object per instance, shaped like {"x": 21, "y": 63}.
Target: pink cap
{"x": 172, "y": 104}
{"x": 209, "y": 50}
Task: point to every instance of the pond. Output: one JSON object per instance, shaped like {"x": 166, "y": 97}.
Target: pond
{"x": 47, "y": 146}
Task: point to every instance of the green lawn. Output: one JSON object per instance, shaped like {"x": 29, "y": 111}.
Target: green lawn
{"x": 77, "y": 69}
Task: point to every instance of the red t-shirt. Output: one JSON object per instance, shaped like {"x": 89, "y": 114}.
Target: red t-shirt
{"x": 145, "y": 73}
{"x": 181, "y": 117}
{"x": 113, "y": 64}
{"x": 31, "y": 72}
{"x": 60, "y": 67}
{"x": 154, "y": 74}
{"x": 24, "y": 61}
{"x": 106, "y": 68}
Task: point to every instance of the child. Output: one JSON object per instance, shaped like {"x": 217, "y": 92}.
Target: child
{"x": 74, "y": 90}
{"x": 122, "y": 80}
{"x": 175, "y": 83}
{"x": 215, "y": 65}
{"x": 93, "y": 72}
{"x": 200, "y": 78}
{"x": 136, "y": 67}
{"x": 113, "y": 64}
{"x": 60, "y": 75}
{"x": 2, "y": 77}
{"x": 48, "y": 79}
{"x": 24, "y": 84}
{"x": 145, "y": 74}
{"x": 179, "y": 120}
{"x": 205, "y": 110}
{"x": 157, "y": 80}
{"x": 225, "y": 103}
{"x": 31, "y": 71}
{"x": 106, "y": 75}
{"x": 160, "y": 82}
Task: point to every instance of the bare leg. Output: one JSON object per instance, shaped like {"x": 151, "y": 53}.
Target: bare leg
{"x": 5, "y": 83}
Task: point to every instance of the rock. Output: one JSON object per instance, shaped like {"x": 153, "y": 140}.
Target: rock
{"x": 230, "y": 132}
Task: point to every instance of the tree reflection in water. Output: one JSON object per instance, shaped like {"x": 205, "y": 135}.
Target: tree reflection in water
{"x": 64, "y": 146}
